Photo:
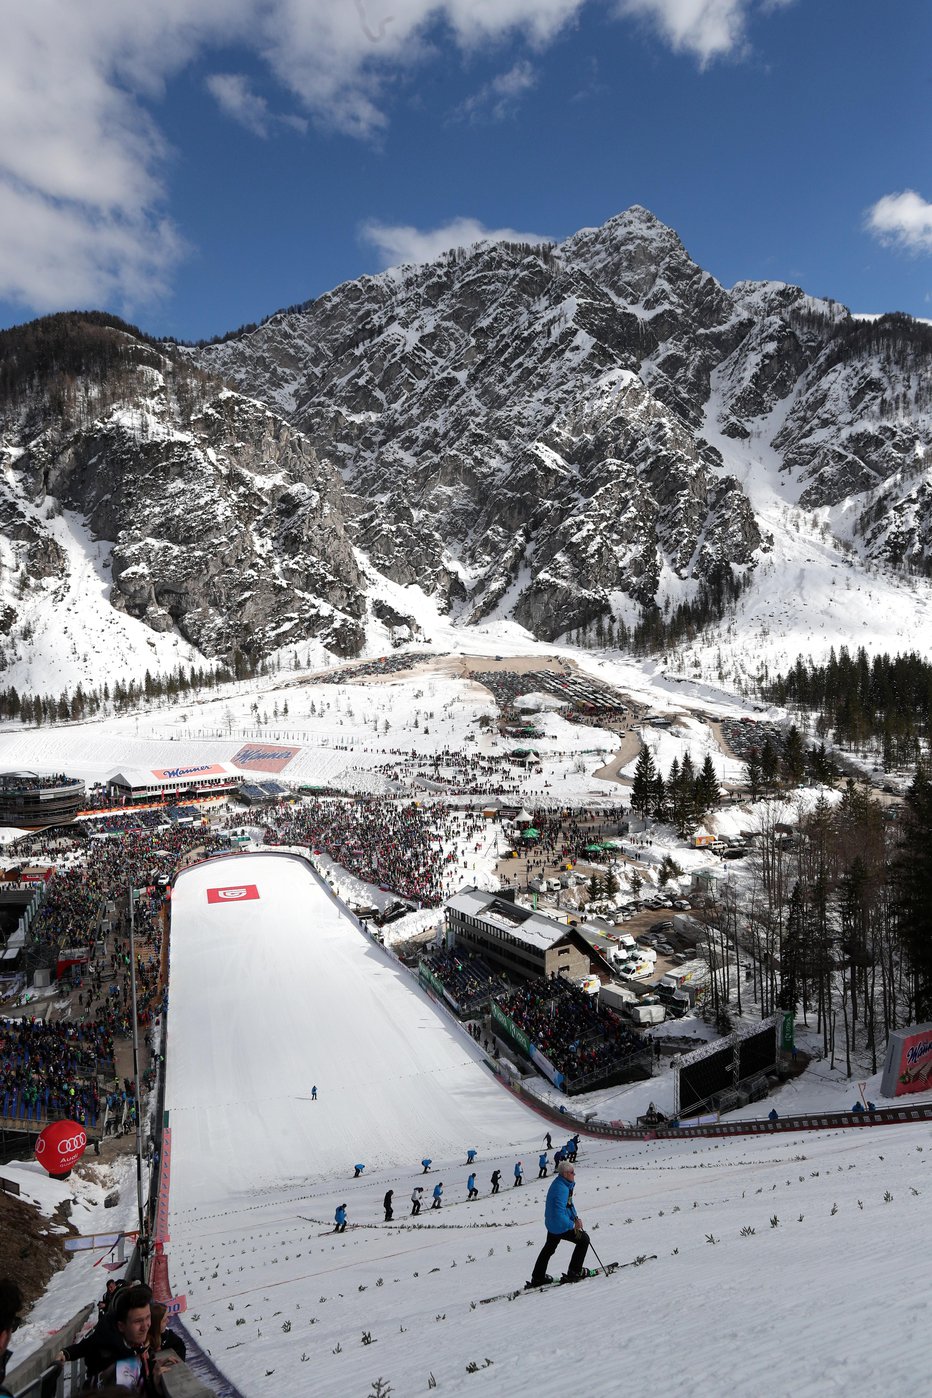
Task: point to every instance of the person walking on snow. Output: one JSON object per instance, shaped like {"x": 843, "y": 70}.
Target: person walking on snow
{"x": 314, "y": 1093}
{"x": 357, "y": 1171}
{"x": 471, "y": 1186}
{"x": 519, "y": 1174}
{"x": 563, "y": 1225}
{"x": 387, "y": 1206}
{"x": 470, "y": 1156}
{"x": 496, "y": 1180}
{"x": 426, "y": 1162}
{"x": 416, "y": 1201}
{"x": 543, "y": 1160}
{"x": 438, "y": 1196}
{"x": 340, "y": 1219}
{"x": 548, "y": 1141}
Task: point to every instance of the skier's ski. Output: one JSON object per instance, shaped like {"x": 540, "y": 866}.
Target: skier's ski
{"x": 588, "y": 1273}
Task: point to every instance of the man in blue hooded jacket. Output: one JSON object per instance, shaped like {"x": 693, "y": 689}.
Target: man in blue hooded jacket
{"x": 563, "y": 1226}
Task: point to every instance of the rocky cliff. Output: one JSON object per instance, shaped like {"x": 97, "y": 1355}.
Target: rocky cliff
{"x": 552, "y": 432}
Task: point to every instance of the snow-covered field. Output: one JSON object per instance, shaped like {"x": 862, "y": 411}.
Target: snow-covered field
{"x": 824, "y": 1295}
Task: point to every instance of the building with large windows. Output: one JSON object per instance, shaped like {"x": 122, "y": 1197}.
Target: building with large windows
{"x": 514, "y": 938}
{"x": 31, "y": 802}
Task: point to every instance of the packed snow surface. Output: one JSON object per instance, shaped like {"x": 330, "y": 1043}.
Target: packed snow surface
{"x": 785, "y": 1264}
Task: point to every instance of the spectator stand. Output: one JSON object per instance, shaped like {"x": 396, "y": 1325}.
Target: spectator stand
{"x": 571, "y": 1040}
{"x": 464, "y": 979}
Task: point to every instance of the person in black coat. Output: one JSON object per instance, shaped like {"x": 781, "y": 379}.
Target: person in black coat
{"x": 387, "y": 1205}
{"x": 11, "y": 1300}
{"x": 121, "y": 1334}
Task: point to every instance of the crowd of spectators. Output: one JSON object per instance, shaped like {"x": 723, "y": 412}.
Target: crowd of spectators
{"x": 54, "y": 1069}
{"x": 29, "y": 781}
{"x": 455, "y": 772}
{"x": 581, "y": 1039}
{"x": 397, "y": 845}
{"x": 52, "y": 1066}
{"x": 466, "y": 976}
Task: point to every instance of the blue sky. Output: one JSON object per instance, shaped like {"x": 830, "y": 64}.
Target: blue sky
{"x": 201, "y": 166}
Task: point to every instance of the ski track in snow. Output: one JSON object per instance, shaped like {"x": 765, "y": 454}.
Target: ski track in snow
{"x": 829, "y": 1300}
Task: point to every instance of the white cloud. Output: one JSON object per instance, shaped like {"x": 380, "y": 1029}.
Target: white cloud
{"x": 902, "y": 219}
{"x": 233, "y": 95}
{"x": 498, "y": 98}
{"x": 400, "y": 242}
{"x": 81, "y": 151}
{"x": 236, "y": 99}
{"x": 707, "y": 29}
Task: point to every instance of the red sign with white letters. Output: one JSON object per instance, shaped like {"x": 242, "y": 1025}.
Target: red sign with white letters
{"x": 238, "y": 893}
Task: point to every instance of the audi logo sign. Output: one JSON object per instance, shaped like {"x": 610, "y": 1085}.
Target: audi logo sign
{"x": 60, "y": 1146}
{"x": 238, "y": 893}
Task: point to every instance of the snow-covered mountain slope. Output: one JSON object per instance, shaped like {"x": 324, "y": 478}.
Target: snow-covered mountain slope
{"x": 530, "y": 431}
{"x": 558, "y": 440}
{"x": 216, "y": 520}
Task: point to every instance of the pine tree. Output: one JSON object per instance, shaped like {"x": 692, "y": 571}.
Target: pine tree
{"x": 706, "y": 788}
{"x": 912, "y": 876}
{"x": 642, "y": 788}
{"x": 794, "y": 757}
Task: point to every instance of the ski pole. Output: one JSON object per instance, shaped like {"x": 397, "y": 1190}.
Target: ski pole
{"x": 598, "y": 1258}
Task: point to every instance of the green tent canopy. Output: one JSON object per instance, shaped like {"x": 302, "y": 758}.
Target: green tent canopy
{"x": 530, "y": 833}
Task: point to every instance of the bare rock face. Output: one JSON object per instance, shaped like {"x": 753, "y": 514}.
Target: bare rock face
{"x": 564, "y": 435}
{"x": 224, "y": 521}
{"x": 526, "y": 430}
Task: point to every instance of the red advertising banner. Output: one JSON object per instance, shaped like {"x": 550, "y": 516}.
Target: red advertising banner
{"x": 238, "y": 893}
{"x": 915, "y": 1069}
{"x": 262, "y": 757}
{"x": 165, "y": 1178}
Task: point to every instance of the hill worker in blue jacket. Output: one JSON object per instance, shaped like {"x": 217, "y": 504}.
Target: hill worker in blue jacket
{"x": 563, "y": 1226}
{"x": 471, "y": 1186}
{"x": 339, "y": 1219}
{"x": 543, "y": 1160}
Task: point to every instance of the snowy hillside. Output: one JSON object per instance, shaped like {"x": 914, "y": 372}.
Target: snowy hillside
{"x": 566, "y": 434}
{"x": 779, "y": 1263}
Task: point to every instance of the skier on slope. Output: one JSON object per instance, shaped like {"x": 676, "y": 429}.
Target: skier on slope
{"x": 387, "y": 1206}
{"x": 471, "y": 1186}
{"x": 563, "y": 1226}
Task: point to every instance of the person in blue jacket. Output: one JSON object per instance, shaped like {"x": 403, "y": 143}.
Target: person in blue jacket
{"x": 470, "y": 1156}
{"x": 543, "y": 1160}
{"x": 519, "y": 1173}
{"x": 340, "y": 1219}
{"x": 471, "y": 1186}
{"x": 357, "y": 1171}
{"x": 426, "y": 1162}
{"x": 563, "y": 1226}
{"x": 773, "y": 1114}
{"x": 438, "y": 1195}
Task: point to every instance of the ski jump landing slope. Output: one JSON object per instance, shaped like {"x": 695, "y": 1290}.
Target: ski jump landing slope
{"x": 274, "y": 989}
